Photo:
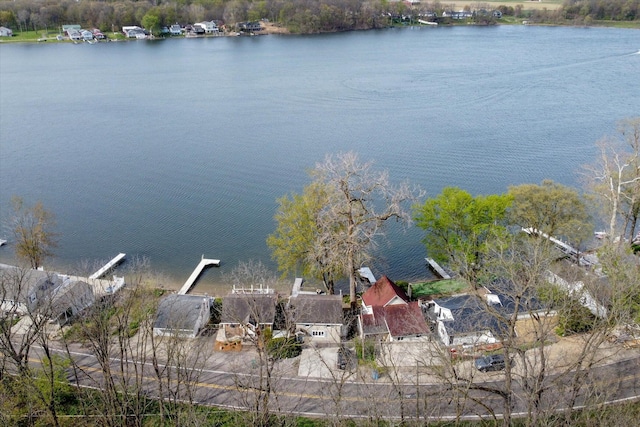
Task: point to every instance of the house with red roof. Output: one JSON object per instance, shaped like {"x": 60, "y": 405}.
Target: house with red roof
{"x": 388, "y": 315}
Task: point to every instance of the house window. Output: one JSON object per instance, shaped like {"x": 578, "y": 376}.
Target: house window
{"x": 317, "y": 333}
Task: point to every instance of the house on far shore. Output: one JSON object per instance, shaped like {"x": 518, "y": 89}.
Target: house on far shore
{"x": 69, "y": 27}
{"x": 249, "y": 27}
{"x": 209, "y": 27}
{"x": 133, "y": 31}
{"x": 182, "y": 315}
{"x": 5, "y": 32}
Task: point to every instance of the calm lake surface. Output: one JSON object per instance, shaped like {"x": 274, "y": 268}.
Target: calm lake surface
{"x": 177, "y": 148}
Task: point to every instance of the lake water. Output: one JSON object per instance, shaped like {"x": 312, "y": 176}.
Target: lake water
{"x": 177, "y": 148}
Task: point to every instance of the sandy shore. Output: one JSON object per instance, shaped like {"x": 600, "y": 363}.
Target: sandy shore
{"x": 271, "y": 28}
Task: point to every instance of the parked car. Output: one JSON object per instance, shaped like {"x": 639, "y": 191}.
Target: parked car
{"x": 494, "y": 362}
{"x": 346, "y": 359}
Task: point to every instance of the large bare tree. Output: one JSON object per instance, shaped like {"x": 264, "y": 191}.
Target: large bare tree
{"x": 360, "y": 200}
{"x": 615, "y": 179}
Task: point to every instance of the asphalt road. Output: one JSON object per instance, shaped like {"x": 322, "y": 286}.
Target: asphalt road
{"x": 238, "y": 385}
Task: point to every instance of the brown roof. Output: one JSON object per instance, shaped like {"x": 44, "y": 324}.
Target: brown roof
{"x": 374, "y": 324}
{"x": 249, "y": 308}
{"x": 325, "y": 309}
{"x": 382, "y": 292}
{"x": 405, "y": 320}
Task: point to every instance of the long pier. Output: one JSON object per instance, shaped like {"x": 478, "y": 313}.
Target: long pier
{"x": 108, "y": 266}
{"x": 204, "y": 262}
{"x": 565, "y": 248}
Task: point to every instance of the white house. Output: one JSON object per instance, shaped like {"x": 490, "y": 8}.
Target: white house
{"x": 86, "y": 35}
{"x": 209, "y": 27}
{"x": 132, "y": 31}
{"x": 318, "y": 318}
{"x": 462, "y": 321}
{"x": 74, "y": 34}
{"x": 56, "y": 296}
{"x": 577, "y": 290}
{"x": 5, "y": 32}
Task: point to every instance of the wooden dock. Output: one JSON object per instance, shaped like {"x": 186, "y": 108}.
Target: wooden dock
{"x": 565, "y": 248}
{"x": 436, "y": 267}
{"x": 204, "y": 262}
{"x": 108, "y": 266}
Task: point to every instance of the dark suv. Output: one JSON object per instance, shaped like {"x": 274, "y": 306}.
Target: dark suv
{"x": 495, "y": 362}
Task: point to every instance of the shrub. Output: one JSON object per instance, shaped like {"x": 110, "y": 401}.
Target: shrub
{"x": 575, "y": 319}
{"x": 366, "y": 351}
{"x": 283, "y": 348}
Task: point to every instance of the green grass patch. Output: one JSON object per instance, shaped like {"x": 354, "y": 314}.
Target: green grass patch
{"x": 440, "y": 287}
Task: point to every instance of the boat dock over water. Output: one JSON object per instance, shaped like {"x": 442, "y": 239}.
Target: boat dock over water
{"x": 108, "y": 266}
{"x": 436, "y": 267}
{"x": 204, "y": 262}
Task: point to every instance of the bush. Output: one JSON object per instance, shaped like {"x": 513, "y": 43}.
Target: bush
{"x": 403, "y": 285}
{"x": 366, "y": 351}
{"x": 576, "y": 319}
{"x": 283, "y": 348}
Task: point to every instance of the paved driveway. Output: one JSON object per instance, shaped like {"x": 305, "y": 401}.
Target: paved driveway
{"x": 318, "y": 362}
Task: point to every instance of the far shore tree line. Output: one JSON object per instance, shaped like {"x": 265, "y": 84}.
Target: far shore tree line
{"x": 299, "y": 16}
{"x": 326, "y": 232}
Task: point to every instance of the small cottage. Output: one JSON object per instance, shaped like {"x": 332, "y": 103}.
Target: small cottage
{"x": 182, "y": 315}
{"x": 317, "y": 318}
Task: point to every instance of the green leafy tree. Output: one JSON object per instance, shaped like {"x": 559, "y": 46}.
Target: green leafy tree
{"x": 459, "y": 227}
{"x": 32, "y": 228}
{"x": 553, "y": 209}
{"x": 151, "y": 21}
{"x": 293, "y": 244}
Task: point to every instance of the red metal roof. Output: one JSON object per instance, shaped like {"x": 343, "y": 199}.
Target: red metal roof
{"x": 382, "y": 292}
{"x": 405, "y": 320}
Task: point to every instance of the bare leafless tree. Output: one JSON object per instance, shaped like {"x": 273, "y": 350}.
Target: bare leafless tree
{"x": 360, "y": 201}
{"x": 615, "y": 179}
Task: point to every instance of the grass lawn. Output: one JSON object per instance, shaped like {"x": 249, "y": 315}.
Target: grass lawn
{"x": 441, "y": 287}
{"x": 48, "y": 36}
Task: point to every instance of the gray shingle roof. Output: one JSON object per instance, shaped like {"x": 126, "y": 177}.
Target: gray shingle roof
{"x": 325, "y": 309}
{"x": 179, "y": 312}
{"x": 249, "y": 308}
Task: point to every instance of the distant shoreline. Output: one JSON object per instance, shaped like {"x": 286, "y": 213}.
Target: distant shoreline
{"x": 270, "y": 28}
